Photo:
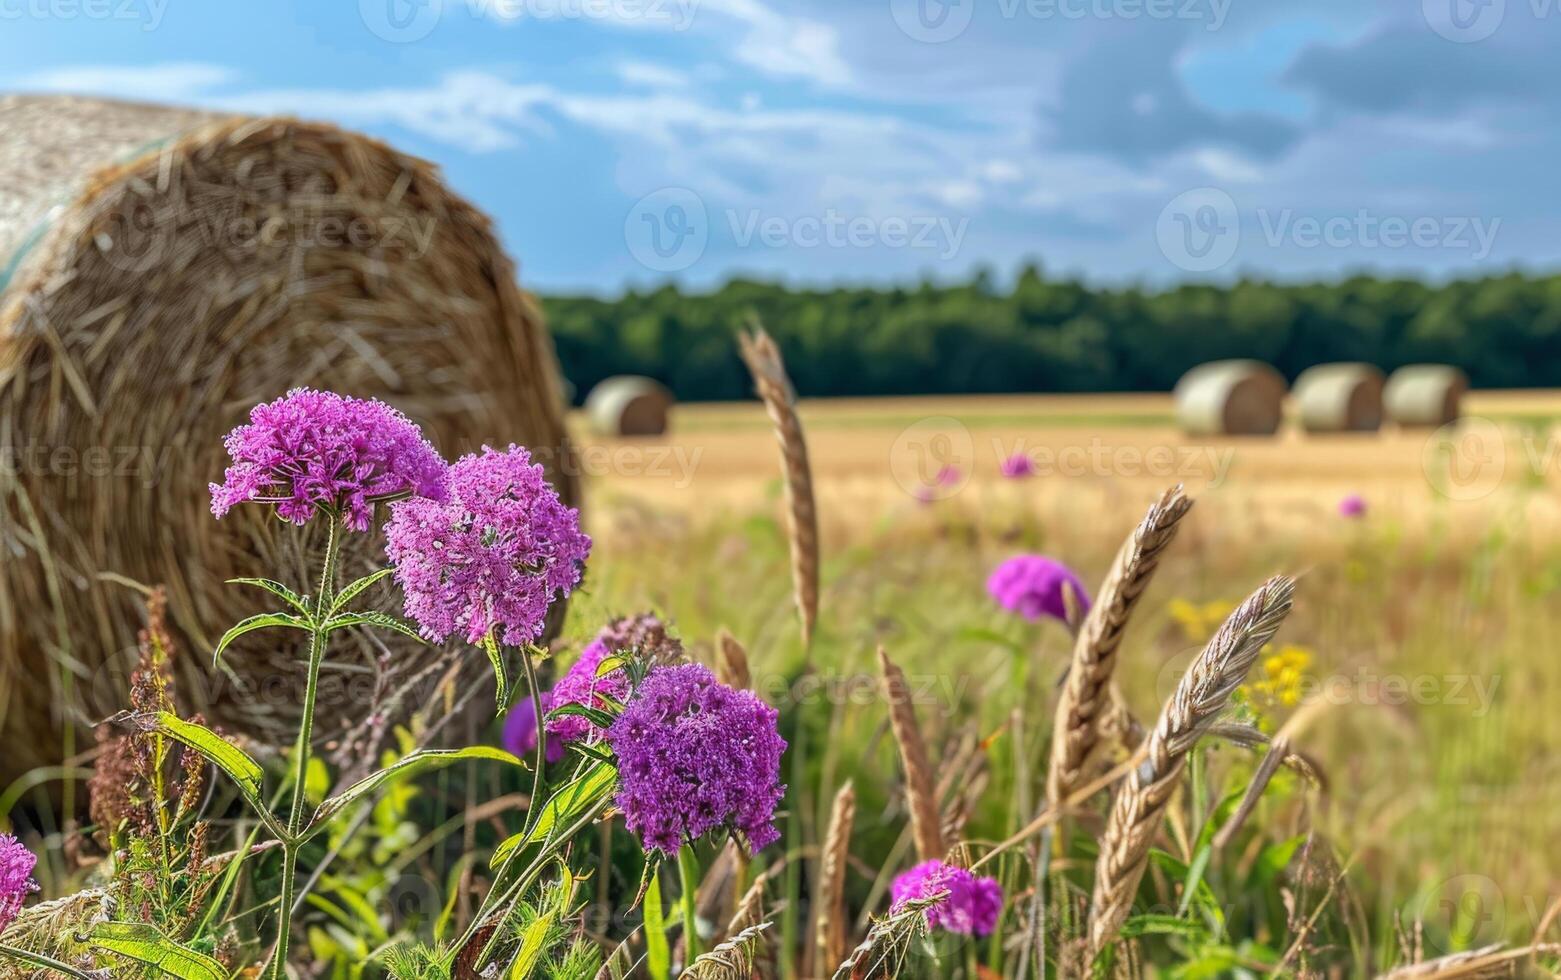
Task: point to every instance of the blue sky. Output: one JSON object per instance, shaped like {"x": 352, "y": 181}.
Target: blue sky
{"x": 628, "y": 142}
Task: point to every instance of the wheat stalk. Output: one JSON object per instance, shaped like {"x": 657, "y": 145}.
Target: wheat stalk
{"x": 829, "y": 934}
{"x": 1475, "y": 964}
{"x": 731, "y": 661}
{"x": 780, "y": 400}
{"x": 920, "y": 781}
{"x": 1198, "y": 699}
{"x": 1087, "y": 695}
{"x": 732, "y": 959}
{"x": 880, "y": 955}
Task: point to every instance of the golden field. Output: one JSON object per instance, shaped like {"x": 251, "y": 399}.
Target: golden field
{"x": 1427, "y": 625}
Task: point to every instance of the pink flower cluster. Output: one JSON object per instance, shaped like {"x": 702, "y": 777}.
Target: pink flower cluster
{"x": 695, "y": 756}
{"x": 1031, "y": 585}
{"x": 310, "y": 451}
{"x": 969, "y": 905}
{"x": 489, "y": 557}
{"x": 16, "y": 878}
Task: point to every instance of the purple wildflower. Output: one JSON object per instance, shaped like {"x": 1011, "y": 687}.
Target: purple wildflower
{"x": 1018, "y": 466}
{"x": 16, "y": 878}
{"x": 644, "y": 634}
{"x": 310, "y": 450}
{"x": 695, "y": 756}
{"x": 1352, "y": 506}
{"x": 949, "y": 476}
{"x": 971, "y": 906}
{"x": 492, "y": 556}
{"x": 1031, "y": 585}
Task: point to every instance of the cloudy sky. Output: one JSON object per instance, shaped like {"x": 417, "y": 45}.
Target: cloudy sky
{"x": 628, "y": 142}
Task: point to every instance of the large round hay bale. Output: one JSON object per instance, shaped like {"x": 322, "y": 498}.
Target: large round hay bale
{"x": 1425, "y": 394}
{"x": 1339, "y": 398}
{"x": 1230, "y": 398}
{"x": 629, "y": 405}
{"x": 163, "y": 271}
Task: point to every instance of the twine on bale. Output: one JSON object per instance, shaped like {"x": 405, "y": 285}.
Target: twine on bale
{"x": 166, "y": 294}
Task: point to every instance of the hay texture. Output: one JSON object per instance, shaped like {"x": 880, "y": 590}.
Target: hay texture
{"x": 1425, "y": 395}
{"x": 1230, "y": 398}
{"x": 1339, "y": 398}
{"x": 164, "y": 270}
{"x": 629, "y": 405}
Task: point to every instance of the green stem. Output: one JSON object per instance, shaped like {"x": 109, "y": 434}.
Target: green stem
{"x": 688, "y": 868}
{"x": 538, "y": 780}
{"x": 290, "y": 846}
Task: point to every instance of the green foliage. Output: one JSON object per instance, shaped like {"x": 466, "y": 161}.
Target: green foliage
{"x": 1056, "y": 334}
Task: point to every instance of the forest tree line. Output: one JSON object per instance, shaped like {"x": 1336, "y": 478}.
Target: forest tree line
{"x": 1046, "y": 335}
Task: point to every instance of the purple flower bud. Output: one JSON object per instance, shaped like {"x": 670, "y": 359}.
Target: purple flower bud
{"x": 971, "y": 905}
{"x": 1031, "y": 585}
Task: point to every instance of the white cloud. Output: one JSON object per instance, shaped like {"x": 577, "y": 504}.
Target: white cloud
{"x": 168, "y": 82}
{"x": 647, "y": 74}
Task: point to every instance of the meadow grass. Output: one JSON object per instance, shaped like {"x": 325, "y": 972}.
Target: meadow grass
{"x": 1429, "y": 645}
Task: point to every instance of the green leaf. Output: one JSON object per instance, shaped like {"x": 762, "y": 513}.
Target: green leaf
{"x": 380, "y": 620}
{"x": 501, "y": 683}
{"x": 410, "y": 765}
{"x": 657, "y": 952}
{"x": 352, "y": 590}
{"x": 146, "y": 944}
{"x": 595, "y": 716}
{"x": 277, "y": 589}
{"x": 610, "y": 664}
{"x": 260, "y": 622}
{"x": 531, "y": 944}
{"x": 1200, "y": 861}
{"x": 1160, "y": 925}
{"x": 243, "y": 770}
{"x": 563, "y": 808}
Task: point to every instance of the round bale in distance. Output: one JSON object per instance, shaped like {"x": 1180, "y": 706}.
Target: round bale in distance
{"x": 1230, "y": 398}
{"x": 162, "y": 271}
{"x": 1339, "y": 398}
{"x": 1425, "y": 395}
{"x": 629, "y": 405}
